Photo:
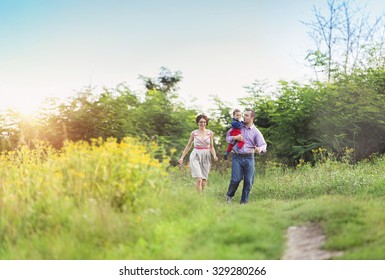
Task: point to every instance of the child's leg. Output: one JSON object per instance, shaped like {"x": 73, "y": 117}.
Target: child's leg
{"x": 229, "y": 148}
{"x": 240, "y": 144}
{"x": 236, "y": 149}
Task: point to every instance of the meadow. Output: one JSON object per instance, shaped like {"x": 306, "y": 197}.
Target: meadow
{"x": 109, "y": 200}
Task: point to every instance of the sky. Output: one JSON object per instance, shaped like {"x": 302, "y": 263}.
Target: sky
{"x": 55, "y": 48}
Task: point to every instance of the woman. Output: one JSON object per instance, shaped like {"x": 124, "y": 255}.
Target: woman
{"x": 200, "y": 158}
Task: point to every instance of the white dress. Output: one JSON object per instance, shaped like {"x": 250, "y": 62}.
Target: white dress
{"x": 200, "y": 157}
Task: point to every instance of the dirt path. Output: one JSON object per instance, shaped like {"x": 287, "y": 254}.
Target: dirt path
{"x": 305, "y": 242}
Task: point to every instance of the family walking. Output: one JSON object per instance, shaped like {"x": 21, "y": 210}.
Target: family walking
{"x": 244, "y": 141}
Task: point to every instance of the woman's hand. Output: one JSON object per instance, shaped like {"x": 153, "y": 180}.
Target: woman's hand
{"x": 180, "y": 161}
{"x": 216, "y": 158}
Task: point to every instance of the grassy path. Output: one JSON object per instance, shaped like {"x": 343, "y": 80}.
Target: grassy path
{"x": 346, "y": 201}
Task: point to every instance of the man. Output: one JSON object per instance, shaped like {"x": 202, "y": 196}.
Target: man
{"x": 243, "y": 160}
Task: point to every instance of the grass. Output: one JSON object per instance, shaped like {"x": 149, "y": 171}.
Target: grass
{"x": 104, "y": 201}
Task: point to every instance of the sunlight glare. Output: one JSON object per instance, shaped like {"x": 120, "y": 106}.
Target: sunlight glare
{"x": 24, "y": 106}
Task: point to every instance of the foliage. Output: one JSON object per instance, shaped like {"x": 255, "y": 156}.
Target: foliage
{"x": 286, "y": 120}
{"x": 162, "y": 119}
{"x": 351, "y": 114}
{"x": 166, "y": 82}
{"x": 70, "y": 205}
{"x": 295, "y": 119}
{"x": 88, "y": 116}
{"x": 347, "y": 113}
{"x": 110, "y": 198}
{"x": 10, "y": 133}
{"x": 220, "y": 123}
{"x": 72, "y": 194}
{"x": 117, "y": 113}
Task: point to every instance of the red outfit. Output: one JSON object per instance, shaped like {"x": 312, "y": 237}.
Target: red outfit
{"x": 235, "y": 132}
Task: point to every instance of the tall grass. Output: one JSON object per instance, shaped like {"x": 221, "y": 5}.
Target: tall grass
{"x": 109, "y": 200}
{"x": 71, "y": 204}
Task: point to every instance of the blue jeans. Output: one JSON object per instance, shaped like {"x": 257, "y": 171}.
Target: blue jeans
{"x": 242, "y": 169}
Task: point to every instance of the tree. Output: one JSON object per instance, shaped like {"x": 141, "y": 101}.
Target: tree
{"x": 119, "y": 112}
{"x": 10, "y": 130}
{"x": 87, "y": 115}
{"x": 351, "y": 115}
{"x": 220, "y": 122}
{"x": 161, "y": 116}
{"x": 288, "y": 120}
{"x": 345, "y": 39}
{"x": 166, "y": 82}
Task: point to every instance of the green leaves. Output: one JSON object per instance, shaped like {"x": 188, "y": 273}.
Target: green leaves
{"x": 347, "y": 113}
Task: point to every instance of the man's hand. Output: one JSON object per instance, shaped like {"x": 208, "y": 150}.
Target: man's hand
{"x": 258, "y": 150}
{"x": 238, "y": 138}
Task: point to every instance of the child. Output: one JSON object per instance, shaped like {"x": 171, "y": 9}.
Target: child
{"x": 236, "y": 125}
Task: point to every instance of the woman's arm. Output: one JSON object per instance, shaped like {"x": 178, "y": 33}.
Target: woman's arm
{"x": 212, "y": 149}
{"x": 187, "y": 148}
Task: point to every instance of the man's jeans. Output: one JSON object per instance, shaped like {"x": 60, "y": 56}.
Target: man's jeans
{"x": 242, "y": 168}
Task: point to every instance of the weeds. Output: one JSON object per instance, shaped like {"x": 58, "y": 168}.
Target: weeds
{"x": 109, "y": 200}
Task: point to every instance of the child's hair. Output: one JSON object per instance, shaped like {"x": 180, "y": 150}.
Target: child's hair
{"x": 236, "y": 111}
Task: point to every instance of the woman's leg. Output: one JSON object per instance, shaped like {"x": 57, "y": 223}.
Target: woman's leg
{"x": 204, "y": 183}
{"x": 199, "y": 184}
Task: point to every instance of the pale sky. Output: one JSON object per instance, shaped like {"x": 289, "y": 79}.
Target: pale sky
{"x": 54, "y": 48}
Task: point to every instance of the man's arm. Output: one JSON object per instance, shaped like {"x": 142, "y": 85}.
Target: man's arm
{"x": 261, "y": 145}
{"x": 231, "y": 139}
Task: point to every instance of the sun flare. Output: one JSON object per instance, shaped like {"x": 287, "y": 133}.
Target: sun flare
{"x": 21, "y": 106}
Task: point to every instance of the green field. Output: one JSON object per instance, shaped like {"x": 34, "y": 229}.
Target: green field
{"x": 114, "y": 201}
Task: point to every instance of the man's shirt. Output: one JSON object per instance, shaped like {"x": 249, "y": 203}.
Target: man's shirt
{"x": 252, "y": 137}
